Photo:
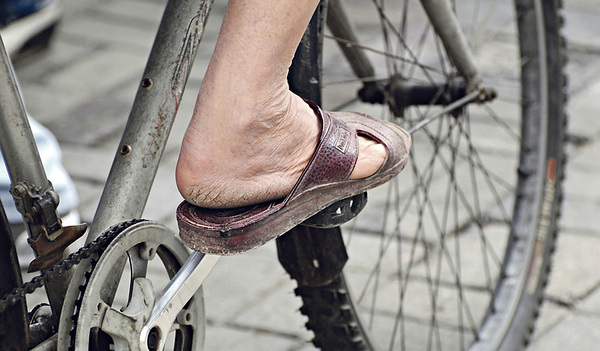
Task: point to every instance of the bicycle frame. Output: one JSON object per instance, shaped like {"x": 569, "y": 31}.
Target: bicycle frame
{"x": 147, "y": 129}
{"x": 141, "y": 146}
{"x": 144, "y": 139}
{"x": 31, "y": 188}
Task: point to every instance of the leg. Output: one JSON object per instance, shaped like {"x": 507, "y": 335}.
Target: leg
{"x": 250, "y": 137}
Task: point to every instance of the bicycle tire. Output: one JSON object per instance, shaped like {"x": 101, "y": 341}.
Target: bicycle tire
{"x": 507, "y": 217}
{"x": 14, "y": 321}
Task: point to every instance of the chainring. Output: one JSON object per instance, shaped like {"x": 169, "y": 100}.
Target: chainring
{"x": 58, "y": 269}
{"x": 119, "y": 292}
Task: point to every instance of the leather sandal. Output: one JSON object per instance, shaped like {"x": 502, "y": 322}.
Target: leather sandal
{"x": 323, "y": 182}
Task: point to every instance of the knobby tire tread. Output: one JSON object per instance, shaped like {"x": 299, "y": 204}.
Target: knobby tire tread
{"x": 331, "y": 317}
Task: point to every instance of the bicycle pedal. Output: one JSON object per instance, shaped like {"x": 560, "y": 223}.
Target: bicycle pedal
{"x": 338, "y": 213}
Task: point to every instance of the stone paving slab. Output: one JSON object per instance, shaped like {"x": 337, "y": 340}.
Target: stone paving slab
{"x": 571, "y": 280}
{"x": 249, "y": 298}
{"x": 575, "y": 332}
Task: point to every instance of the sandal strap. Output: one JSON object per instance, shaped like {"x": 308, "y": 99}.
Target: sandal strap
{"x": 335, "y": 156}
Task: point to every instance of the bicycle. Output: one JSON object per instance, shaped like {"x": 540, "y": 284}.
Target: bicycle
{"x": 507, "y": 217}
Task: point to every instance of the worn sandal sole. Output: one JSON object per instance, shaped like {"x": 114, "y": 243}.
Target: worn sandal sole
{"x": 323, "y": 182}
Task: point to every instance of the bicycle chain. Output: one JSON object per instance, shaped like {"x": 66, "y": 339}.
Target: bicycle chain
{"x": 58, "y": 269}
{"x": 78, "y": 302}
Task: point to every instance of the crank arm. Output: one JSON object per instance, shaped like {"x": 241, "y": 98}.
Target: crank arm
{"x": 172, "y": 299}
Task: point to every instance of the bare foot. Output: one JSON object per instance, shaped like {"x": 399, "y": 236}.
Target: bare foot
{"x": 257, "y": 156}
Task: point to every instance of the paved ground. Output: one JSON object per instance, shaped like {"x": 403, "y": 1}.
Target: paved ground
{"x": 88, "y": 79}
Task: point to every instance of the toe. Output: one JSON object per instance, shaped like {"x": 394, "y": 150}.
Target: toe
{"x": 371, "y": 156}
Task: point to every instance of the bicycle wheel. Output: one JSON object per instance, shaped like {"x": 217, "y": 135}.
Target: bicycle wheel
{"x": 453, "y": 254}
{"x": 14, "y": 321}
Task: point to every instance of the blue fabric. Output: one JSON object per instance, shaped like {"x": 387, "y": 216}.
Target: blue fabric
{"x": 11, "y": 10}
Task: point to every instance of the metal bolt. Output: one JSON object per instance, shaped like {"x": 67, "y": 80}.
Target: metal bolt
{"x": 19, "y": 190}
{"x": 153, "y": 339}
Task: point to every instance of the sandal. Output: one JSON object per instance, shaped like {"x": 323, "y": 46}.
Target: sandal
{"x": 323, "y": 182}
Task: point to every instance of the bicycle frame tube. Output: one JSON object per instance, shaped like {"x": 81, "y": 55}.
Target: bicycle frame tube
{"x": 30, "y": 186}
{"x": 145, "y": 136}
{"x": 446, "y": 25}
{"x": 16, "y": 139}
{"x": 443, "y": 20}
{"x": 152, "y": 115}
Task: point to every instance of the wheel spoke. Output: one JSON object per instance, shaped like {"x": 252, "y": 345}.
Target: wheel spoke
{"x": 439, "y": 256}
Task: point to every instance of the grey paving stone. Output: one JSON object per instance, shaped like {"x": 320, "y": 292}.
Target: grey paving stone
{"x": 128, "y": 13}
{"x": 277, "y": 311}
{"x": 97, "y": 73}
{"x": 582, "y": 184}
{"x": 164, "y": 196}
{"x": 550, "y": 315}
{"x": 576, "y": 332}
{"x": 88, "y": 163}
{"x": 590, "y": 304}
{"x": 581, "y": 19}
{"x": 582, "y": 69}
{"x": 582, "y": 114}
{"x": 581, "y": 215}
{"x": 583, "y": 159}
{"x": 233, "y": 339}
{"x": 120, "y": 35}
{"x": 59, "y": 56}
{"x": 575, "y": 272}
{"x": 238, "y": 282}
{"x": 89, "y": 195}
